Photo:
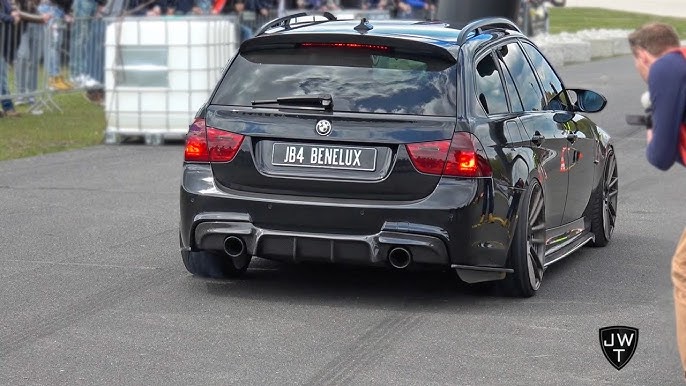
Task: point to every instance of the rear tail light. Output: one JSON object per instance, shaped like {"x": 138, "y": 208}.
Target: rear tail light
{"x": 207, "y": 144}
{"x": 458, "y": 157}
{"x": 223, "y": 144}
{"x": 196, "y": 142}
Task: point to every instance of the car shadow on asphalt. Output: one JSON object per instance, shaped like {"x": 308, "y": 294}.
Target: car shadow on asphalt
{"x": 353, "y": 286}
{"x": 590, "y": 275}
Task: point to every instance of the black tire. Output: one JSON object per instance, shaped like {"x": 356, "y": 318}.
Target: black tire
{"x": 215, "y": 264}
{"x": 527, "y": 251}
{"x": 604, "y": 203}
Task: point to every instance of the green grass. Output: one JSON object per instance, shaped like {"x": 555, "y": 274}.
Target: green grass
{"x": 575, "y": 19}
{"x": 81, "y": 124}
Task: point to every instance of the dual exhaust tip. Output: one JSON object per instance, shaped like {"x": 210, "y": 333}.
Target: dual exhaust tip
{"x": 398, "y": 257}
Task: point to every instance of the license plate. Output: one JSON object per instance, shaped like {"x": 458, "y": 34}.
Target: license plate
{"x": 318, "y": 156}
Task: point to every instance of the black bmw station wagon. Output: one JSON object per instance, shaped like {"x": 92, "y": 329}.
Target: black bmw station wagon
{"x": 399, "y": 144}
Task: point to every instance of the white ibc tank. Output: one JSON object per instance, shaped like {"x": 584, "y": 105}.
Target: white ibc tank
{"x": 159, "y": 72}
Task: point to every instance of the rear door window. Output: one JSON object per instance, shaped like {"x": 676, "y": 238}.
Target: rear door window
{"x": 524, "y": 78}
{"x": 358, "y": 79}
{"x": 489, "y": 86}
{"x": 512, "y": 92}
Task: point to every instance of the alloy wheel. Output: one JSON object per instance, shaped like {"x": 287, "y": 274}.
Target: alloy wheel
{"x": 610, "y": 192}
{"x": 535, "y": 237}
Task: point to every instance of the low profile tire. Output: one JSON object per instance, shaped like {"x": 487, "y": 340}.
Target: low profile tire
{"x": 215, "y": 264}
{"x": 528, "y": 247}
{"x": 604, "y": 204}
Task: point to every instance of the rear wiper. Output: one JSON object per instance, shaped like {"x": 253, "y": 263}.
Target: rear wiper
{"x": 324, "y": 101}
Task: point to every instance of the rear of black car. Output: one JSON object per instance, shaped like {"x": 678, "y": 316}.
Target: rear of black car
{"x": 321, "y": 149}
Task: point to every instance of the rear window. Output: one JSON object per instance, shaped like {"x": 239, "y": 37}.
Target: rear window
{"x": 359, "y": 80}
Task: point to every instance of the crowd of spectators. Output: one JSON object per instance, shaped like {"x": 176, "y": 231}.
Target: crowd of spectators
{"x": 67, "y": 36}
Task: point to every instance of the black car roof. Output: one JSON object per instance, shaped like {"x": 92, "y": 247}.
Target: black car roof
{"x": 438, "y": 34}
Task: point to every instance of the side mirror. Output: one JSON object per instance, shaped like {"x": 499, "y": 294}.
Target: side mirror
{"x": 587, "y": 101}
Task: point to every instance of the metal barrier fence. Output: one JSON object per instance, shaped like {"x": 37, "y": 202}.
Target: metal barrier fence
{"x": 150, "y": 74}
{"x": 115, "y": 61}
{"x": 43, "y": 56}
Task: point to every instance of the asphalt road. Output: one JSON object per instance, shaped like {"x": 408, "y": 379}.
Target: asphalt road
{"x": 93, "y": 291}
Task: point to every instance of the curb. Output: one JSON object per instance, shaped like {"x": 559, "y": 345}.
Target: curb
{"x": 583, "y": 46}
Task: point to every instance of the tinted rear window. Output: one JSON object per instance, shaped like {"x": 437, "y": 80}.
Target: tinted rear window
{"x": 359, "y": 80}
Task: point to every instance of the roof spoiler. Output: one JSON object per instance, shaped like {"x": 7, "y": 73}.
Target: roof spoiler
{"x": 272, "y": 41}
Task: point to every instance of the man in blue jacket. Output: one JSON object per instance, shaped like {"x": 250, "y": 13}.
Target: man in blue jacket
{"x": 662, "y": 63}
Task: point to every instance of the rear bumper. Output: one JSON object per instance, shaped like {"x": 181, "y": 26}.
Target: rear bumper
{"x": 322, "y": 247}
{"x": 444, "y": 229}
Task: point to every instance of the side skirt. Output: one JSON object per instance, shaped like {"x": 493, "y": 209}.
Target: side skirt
{"x": 565, "y": 240}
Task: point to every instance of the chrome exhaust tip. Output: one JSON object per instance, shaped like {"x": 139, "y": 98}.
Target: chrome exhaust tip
{"x": 399, "y": 257}
{"x": 234, "y": 246}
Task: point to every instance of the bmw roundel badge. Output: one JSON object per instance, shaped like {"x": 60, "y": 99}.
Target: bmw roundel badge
{"x": 323, "y": 127}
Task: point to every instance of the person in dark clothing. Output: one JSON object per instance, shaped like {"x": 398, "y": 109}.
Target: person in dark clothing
{"x": 264, "y": 10}
{"x": 29, "y": 51}
{"x": 662, "y": 63}
{"x": 9, "y": 19}
{"x": 664, "y": 68}
{"x": 185, "y": 7}
{"x": 375, "y": 4}
{"x": 141, "y": 8}
{"x": 238, "y": 8}
{"x": 321, "y": 5}
{"x": 413, "y": 9}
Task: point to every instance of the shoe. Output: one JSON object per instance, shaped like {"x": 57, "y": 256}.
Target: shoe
{"x": 56, "y": 83}
{"x": 89, "y": 82}
{"x": 23, "y": 101}
{"x": 499, "y": 221}
{"x": 76, "y": 80}
{"x": 65, "y": 83}
{"x": 85, "y": 81}
{"x": 36, "y": 112}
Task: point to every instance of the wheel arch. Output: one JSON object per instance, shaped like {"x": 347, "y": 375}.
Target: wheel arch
{"x": 528, "y": 177}
{"x": 603, "y": 156}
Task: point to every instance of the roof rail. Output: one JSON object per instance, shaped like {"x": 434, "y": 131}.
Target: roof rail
{"x": 286, "y": 21}
{"x": 478, "y": 25}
